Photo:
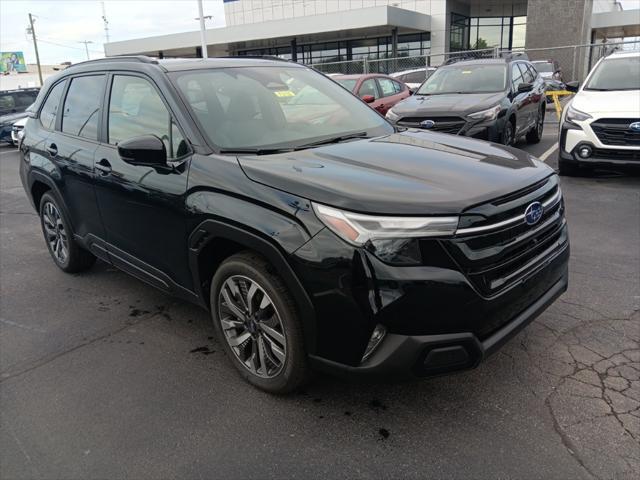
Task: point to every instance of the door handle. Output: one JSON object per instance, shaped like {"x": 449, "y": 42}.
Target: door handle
{"x": 52, "y": 149}
{"x": 104, "y": 166}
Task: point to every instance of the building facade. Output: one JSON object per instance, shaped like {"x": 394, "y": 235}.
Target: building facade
{"x": 321, "y": 31}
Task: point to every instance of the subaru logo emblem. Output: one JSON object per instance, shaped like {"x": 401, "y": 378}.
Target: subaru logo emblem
{"x": 635, "y": 127}
{"x": 427, "y": 124}
{"x": 533, "y": 213}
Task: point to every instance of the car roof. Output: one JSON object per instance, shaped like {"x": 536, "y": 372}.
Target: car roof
{"x": 402, "y": 72}
{"x": 361, "y": 75}
{"x": 622, "y": 54}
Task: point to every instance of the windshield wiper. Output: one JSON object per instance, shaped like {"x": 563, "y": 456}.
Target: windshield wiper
{"x": 254, "y": 151}
{"x": 338, "y": 139}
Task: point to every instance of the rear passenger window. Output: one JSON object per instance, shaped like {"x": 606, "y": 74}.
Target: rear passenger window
{"x": 82, "y": 106}
{"x": 50, "y": 107}
{"x": 135, "y": 109}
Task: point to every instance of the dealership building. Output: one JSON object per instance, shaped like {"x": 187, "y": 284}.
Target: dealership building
{"x": 320, "y": 31}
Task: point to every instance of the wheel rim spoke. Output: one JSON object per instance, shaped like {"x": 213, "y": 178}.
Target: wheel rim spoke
{"x": 252, "y": 326}
{"x": 230, "y": 304}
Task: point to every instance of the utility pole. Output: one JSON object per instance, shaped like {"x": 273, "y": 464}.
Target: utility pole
{"x": 35, "y": 47}
{"x": 105, "y": 22}
{"x": 86, "y": 47}
{"x": 203, "y": 39}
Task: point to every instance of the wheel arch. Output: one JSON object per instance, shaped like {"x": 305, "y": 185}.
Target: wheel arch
{"x": 213, "y": 241}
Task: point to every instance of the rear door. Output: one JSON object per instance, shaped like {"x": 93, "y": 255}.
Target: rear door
{"x": 71, "y": 147}
{"x": 142, "y": 207}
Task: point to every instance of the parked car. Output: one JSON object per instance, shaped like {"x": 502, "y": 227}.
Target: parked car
{"x": 13, "y": 103}
{"x": 17, "y": 131}
{"x": 600, "y": 126}
{"x": 338, "y": 243}
{"x": 491, "y": 99}
{"x": 413, "y": 78}
{"x": 548, "y": 69}
{"x": 380, "y": 91}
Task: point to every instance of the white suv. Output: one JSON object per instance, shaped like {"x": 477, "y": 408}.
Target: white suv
{"x": 601, "y": 124}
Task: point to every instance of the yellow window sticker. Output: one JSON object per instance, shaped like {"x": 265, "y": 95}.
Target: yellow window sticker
{"x": 285, "y": 93}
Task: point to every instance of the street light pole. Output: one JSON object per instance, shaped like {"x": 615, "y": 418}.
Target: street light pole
{"x": 86, "y": 47}
{"x": 35, "y": 47}
{"x": 203, "y": 39}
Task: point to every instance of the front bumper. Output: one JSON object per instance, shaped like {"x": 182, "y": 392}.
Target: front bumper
{"x": 437, "y": 320}
{"x": 408, "y": 356}
{"x": 573, "y": 137}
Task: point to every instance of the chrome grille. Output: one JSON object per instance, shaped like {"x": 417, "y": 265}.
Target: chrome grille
{"x": 496, "y": 248}
{"x": 442, "y": 124}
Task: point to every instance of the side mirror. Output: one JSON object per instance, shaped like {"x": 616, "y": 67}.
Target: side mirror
{"x": 146, "y": 150}
{"x": 525, "y": 87}
{"x": 572, "y": 86}
{"x": 368, "y": 98}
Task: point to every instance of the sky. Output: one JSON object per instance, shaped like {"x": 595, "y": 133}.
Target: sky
{"x": 61, "y": 25}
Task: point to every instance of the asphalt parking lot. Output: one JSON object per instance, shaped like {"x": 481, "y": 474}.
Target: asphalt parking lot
{"x": 101, "y": 376}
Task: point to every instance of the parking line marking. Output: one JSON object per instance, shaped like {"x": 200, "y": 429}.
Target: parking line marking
{"x": 546, "y": 154}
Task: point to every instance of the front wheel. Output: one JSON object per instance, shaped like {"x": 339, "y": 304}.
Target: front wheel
{"x": 65, "y": 251}
{"x": 508, "y": 134}
{"x": 257, "y": 323}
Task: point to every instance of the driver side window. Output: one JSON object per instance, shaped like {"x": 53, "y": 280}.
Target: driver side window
{"x": 135, "y": 109}
{"x": 368, "y": 87}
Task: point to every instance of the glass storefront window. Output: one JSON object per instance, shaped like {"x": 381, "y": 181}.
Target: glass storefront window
{"x": 486, "y": 32}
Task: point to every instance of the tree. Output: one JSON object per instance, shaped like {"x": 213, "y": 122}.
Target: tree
{"x": 480, "y": 44}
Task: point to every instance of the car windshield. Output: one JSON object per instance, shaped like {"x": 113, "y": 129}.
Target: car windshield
{"x": 274, "y": 107}
{"x": 465, "y": 79}
{"x": 543, "y": 67}
{"x": 616, "y": 74}
{"x": 348, "y": 83}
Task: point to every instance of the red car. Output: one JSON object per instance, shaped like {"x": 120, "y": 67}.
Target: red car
{"x": 381, "y": 91}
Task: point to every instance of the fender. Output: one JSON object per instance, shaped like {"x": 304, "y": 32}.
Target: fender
{"x": 210, "y": 230}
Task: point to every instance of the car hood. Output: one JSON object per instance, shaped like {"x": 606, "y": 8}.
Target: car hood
{"x": 457, "y": 103}
{"x": 412, "y": 172}
{"x": 617, "y": 102}
{"x": 9, "y": 118}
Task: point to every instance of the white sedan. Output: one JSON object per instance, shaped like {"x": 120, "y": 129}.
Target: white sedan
{"x": 17, "y": 131}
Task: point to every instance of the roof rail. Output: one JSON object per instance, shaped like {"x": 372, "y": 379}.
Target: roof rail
{"x": 261, "y": 57}
{"x": 121, "y": 58}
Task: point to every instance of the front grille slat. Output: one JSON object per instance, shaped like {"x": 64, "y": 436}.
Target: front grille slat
{"x": 451, "y": 125}
{"x": 616, "y": 131}
{"x": 495, "y": 258}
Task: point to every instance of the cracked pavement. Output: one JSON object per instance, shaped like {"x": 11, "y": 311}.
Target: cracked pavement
{"x": 103, "y": 377}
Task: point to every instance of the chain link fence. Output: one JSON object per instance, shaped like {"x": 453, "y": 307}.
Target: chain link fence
{"x": 575, "y": 60}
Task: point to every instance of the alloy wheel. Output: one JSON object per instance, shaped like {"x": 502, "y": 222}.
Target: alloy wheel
{"x": 252, "y": 326}
{"x": 55, "y": 232}
{"x": 508, "y": 134}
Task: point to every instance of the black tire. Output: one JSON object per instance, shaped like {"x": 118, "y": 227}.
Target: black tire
{"x": 535, "y": 134}
{"x": 75, "y": 258}
{"x": 293, "y": 371}
{"x": 508, "y": 133}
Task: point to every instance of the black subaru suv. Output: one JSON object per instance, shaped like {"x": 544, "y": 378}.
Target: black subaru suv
{"x": 316, "y": 233}
{"x": 491, "y": 99}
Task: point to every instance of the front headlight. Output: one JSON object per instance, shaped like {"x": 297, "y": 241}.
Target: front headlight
{"x": 575, "y": 115}
{"x": 488, "y": 114}
{"x": 391, "y": 115}
{"x": 358, "y": 229}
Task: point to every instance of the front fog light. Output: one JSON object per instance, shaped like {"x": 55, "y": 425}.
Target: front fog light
{"x": 376, "y": 337}
{"x": 584, "y": 151}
